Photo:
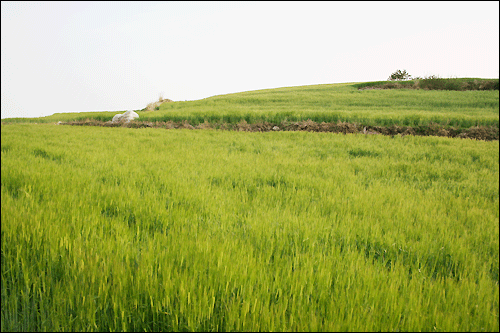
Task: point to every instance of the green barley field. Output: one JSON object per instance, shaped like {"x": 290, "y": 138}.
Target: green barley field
{"x": 326, "y": 102}
{"x": 148, "y": 229}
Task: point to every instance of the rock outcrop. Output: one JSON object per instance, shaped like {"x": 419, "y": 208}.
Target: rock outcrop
{"x": 125, "y": 117}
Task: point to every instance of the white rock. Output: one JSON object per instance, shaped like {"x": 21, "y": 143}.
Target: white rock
{"x": 129, "y": 115}
{"x": 116, "y": 118}
{"x": 126, "y": 117}
{"x": 276, "y": 128}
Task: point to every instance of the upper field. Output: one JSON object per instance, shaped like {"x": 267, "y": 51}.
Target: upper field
{"x": 323, "y": 103}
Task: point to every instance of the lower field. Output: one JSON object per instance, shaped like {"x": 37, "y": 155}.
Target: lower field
{"x": 123, "y": 229}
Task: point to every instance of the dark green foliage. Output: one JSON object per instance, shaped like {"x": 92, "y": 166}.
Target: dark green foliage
{"x": 361, "y": 152}
{"x": 399, "y": 76}
{"x": 46, "y": 155}
{"x": 13, "y": 184}
{"x": 434, "y": 82}
{"x": 5, "y": 148}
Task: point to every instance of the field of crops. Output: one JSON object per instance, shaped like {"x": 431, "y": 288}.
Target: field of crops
{"x": 123, "y": 229}
{"x": 325, "y": 102}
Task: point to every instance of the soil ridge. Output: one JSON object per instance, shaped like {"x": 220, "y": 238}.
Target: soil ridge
{"x": 487, "y": 133}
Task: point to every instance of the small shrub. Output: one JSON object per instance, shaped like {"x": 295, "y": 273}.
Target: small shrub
{"x": 399, "y": 76}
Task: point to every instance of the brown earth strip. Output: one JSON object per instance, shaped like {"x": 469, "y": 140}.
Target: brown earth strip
{"x": 487, "y": 133}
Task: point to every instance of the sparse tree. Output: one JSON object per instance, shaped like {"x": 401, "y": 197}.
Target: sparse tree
{"x": 399, "y": 76}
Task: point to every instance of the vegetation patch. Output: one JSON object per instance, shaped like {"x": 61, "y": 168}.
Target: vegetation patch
{"x": 434, "y": 83}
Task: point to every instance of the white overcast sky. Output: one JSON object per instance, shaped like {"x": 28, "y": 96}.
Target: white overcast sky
{"x": 116, "y": 56}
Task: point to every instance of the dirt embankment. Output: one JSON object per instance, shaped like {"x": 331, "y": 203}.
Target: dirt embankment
{"x": 487, "y": 133}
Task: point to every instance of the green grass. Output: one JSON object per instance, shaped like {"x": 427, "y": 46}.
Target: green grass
{"x": 71, "y": 116}
{"x": 326, "y": 102}
{"x": 119, "y": 229}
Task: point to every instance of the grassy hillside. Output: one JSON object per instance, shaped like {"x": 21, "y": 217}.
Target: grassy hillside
{"x": 146, "y": 229}
{"x": 324, "y": 103}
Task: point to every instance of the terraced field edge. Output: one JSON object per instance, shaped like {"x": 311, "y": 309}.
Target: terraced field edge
{"x": 487, "y": 133}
